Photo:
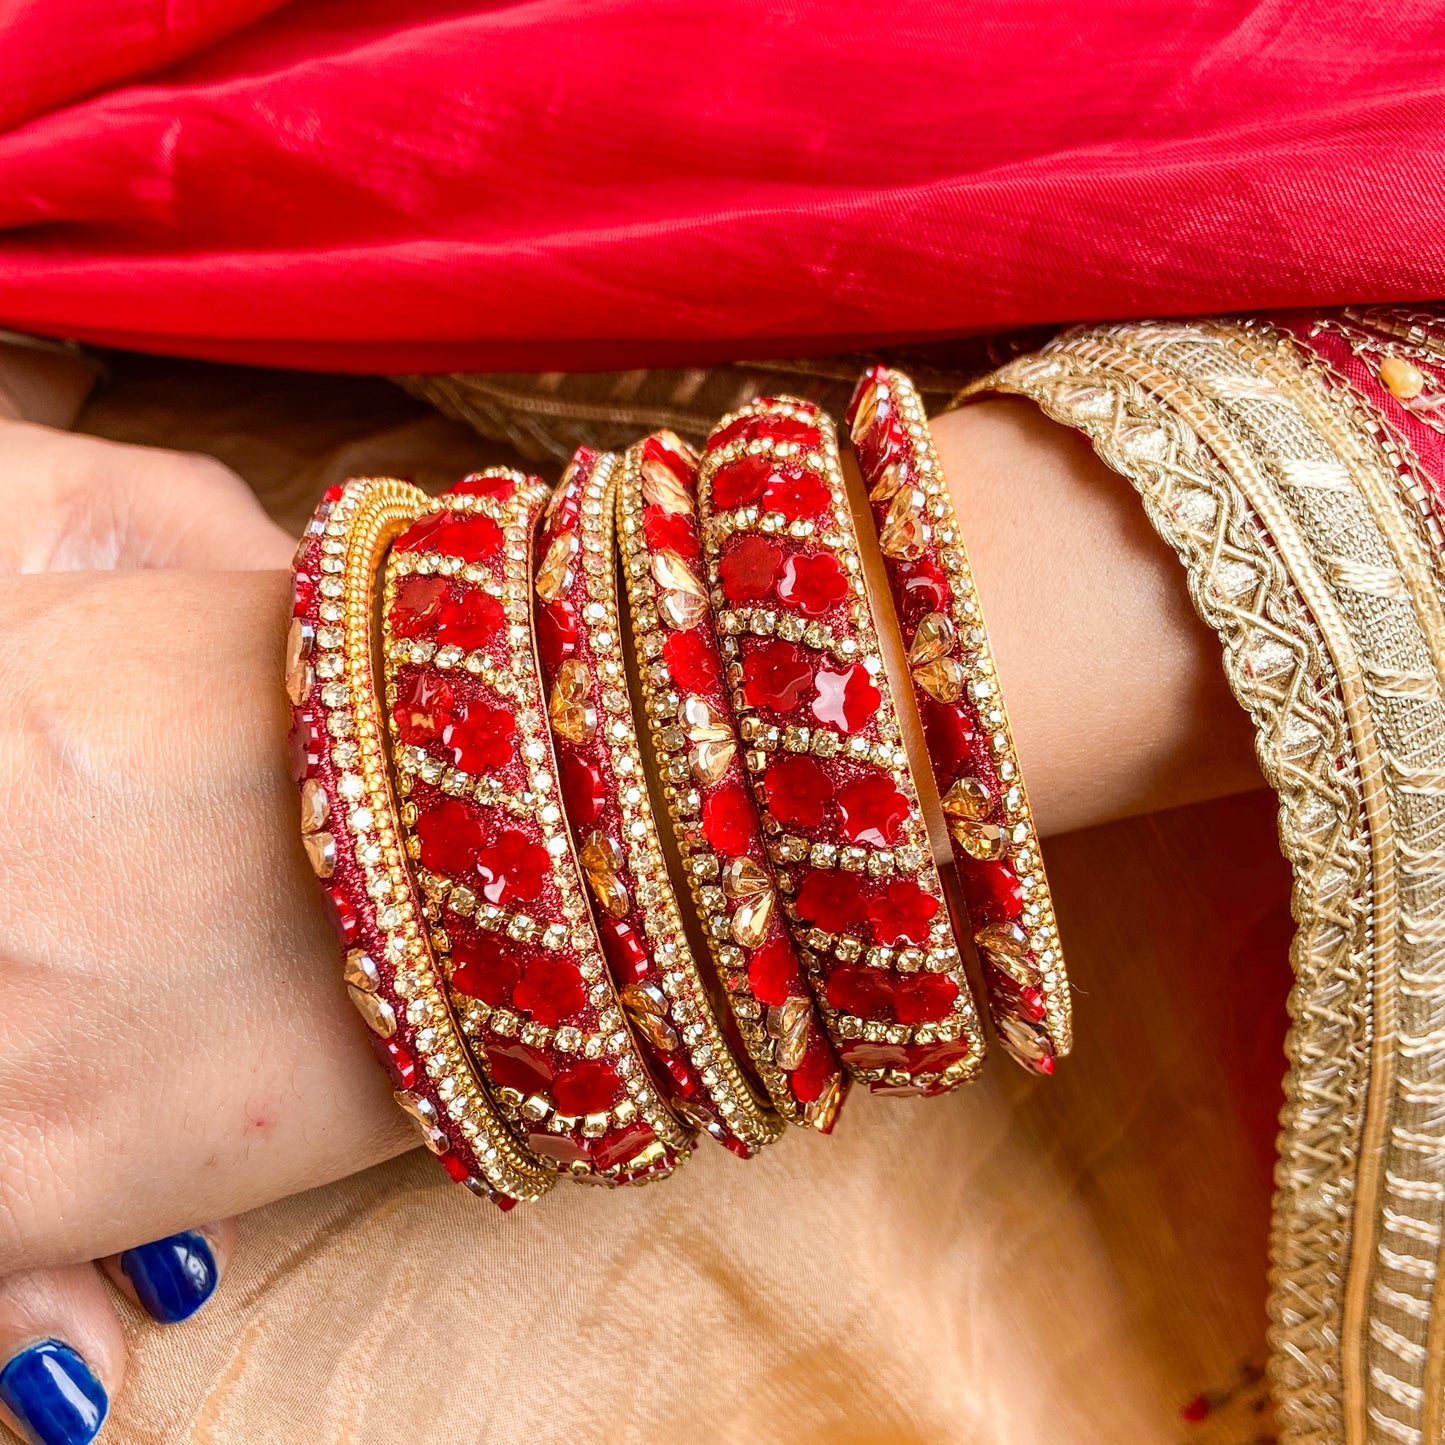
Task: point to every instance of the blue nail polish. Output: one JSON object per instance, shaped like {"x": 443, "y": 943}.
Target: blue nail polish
{"x": 53, "y": 1394}
{"x": 173, "y": 1277}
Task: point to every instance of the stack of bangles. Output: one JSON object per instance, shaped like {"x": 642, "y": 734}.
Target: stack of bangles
{"x": 631, "y": 800}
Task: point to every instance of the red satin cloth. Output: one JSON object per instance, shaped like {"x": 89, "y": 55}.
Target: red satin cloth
{"x": 557, "y": 184}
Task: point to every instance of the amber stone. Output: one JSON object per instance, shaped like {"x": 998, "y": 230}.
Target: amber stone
{"x": 299, "y": 639}
{"x": 557, "y": 1147}
{"x": 379, "y": 1015}
{"x": 861, "y": 1054}
{"x": 934, "y": 1058}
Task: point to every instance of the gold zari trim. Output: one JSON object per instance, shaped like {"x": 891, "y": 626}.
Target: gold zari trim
{"x": 1308, "y": 554}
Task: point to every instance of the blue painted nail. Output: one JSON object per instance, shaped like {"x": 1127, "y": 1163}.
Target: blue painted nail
{"x": 53, "y": 1394}
{"x": 173, "y": 1277}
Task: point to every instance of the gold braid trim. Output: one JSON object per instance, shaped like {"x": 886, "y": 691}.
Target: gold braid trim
{"x": 1308, "y": 553}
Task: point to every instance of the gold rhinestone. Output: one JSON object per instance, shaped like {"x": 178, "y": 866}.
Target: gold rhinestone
{"x": 646, "y": 1005}
{"x": 569, "y": 707}
{"x": 984, "y": 841}
{"x": 299, "y": 638}
{"x": 933, "y": 639}
{"x": 424, "y": 1112}
{"x": 788, "y": 1024}
{"x": 751, "y": 921}
{"x": 904, "y": 533}
{"x": 710, "y": 759}
{"x": 377, "y": 1012}
{"x": 703, "y": 722}
{"x": 888, "y": 483}
{"x": 743, "y": 878}
{"x": 315, "y": 806}
{"x": 1402, "y": 378}
{"x": 662, "y": 487}
{"x": 674, "y": 575}
{"x": 821, "y": 1113}
{"x": 867, "y": 410}
{"x": 552, "y": 574}
{"x": 943, "y": 679}
{"x": 969, "y": 799}
{"x": 1005, "y": 938}
{"x": 321, "y": 851}
{"x": 1023, "y": 1039}
{"x": 682, "y": 611}
{"x": 600, "y": 858}
{"x": 360, "y": 972}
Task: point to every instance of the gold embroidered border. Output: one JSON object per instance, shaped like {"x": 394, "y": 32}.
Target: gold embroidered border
{"x": 1306, "y": 556}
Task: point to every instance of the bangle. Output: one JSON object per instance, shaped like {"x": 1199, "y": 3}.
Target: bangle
{"x": 604, "y": 787}
{"x": 716, "y": 826}
{"x": 483, "y": 821}
{"x": 970, "y": 741}
{"x": 823, "y": 744}
{"x": 351, "y": 836}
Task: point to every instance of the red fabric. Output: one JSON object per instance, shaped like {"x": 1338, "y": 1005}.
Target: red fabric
{"x": 433, "y": 185}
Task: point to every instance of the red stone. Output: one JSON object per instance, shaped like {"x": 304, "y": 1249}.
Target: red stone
{"x": 671, "y": 532}
{"x": 728, "y": 819}
{"x": 773, "y": 428}
{"x": 469, "y": 535}
{"x": 846, "y": 700}
{"x": 417, "y": 602}
{"x": 1196, "y": 1412}
{"x": 991, "y": 891}
{"x": 864, "y": 1055}
{"x": 303, "y": 592}
{"x": 504, "y": 1202}
{"x": 936, "y": 1057}
{"x": 875, "y": 376}
{"x": 477, "y": 485}
{"x": 520, "y": 1067}
{"x": 556, "y": 633}
{"x": 692, "y": 660}
{"x": 565, "y": 508}
{"x": 861, "y": 991}
{"x": 741, "y": 426}
{"x": 340, "y": 914}
{"x": 397, "y": 1060}
{"x": 673, "y": 1069}
{"x": 740, "y": 483}
{"x": 749, "y": 568}
{"x": 796, "y": 494}
{"x": 424, "y": 705}
{"x": 811, "y": 1077}
{"x": 513, "y": 868}
{"x": 872, "y": 810}
{"x": 479, "y": 736}
{"x": 307, "y": 743}
{"x": 926, "y": 998}
{"x": 798, "y": 791}
{"x": 884, "y": 442}
{"x": 451, "y": 835}
{"x": 953, "y": 740}
{"x": 455, "y": 1166}
{"x": 901, "y": 912}
{"x": 733, "y": 1144}
{"x": 419, "y": 537}
{"x": 813, "y": 583}
{"x": 654, "y": 449}
{"x": 1007, "y": 995}
{"x": 469, "y": 618}
{"x": 772, "y": 971}
{"x": 551, "y": 990}
{"x": 557, "y": 1147}
{"x": 834, "y": 901}
{"x": 622, "y": 1146}
{"x": 588, "y": 1087}
{"x": 628, "y": 958}
{"x": 583, "y": 790}
{"x": 487, "y": 968}
{"x": 922, "y": 588}
{"x": 776, "y": 675}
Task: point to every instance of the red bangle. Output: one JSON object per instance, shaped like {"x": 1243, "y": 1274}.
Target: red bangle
{"x": 970, "y": 741}
{"x": 716, "y": 824}
{"x": 484, "y": 821}
{"x": 606, "y": 791}
{"x": 351, "y": 833}
{"x": 824, "y": 747}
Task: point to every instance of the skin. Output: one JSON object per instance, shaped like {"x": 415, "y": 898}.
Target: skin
{"x": 176, "y": 1044}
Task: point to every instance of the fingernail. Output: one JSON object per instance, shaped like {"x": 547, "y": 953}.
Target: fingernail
{"x": 173, "y": 1277}
{"x": 53, "y": 1395}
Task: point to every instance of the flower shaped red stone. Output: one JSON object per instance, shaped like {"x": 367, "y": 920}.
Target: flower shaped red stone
{"x": 671, "y": 532}
{"x": 588, "y": 1087}
{"x": 513, "y": 868}
{"x": 796, "y": 494}
{"x": 872, "y": 810}
{"x": 798, "y": 791}
{"x": 486, "y": 968}
{"x": 846, "y": 700}
{"x": 861, "y": 991}
{"x": 468, "y": 618}
{"x": 834, "y": 901}
{"x": 451, "y": 836}
{"x": 771, "y": 971}
{"x": 901, "y": 913}
{"x": 416, "y": 604}
{"x": 520, "y": 1067}
{"x": 776, "y": 675}
{"x": 749, "y": 568}
{"x": 551, "y": 990}
{"x": 556, "y": 632}
{"x": 924, "y": 999}
{"x": 728, "y": 819}
{"x": 424, "y": 706}
{"x": 740, "y": 483}
{"x": 813, "y": 583}
{"x": 479, "y": 736}
{"x": 692, "y": 660}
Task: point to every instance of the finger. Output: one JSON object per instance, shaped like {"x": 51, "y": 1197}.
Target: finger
{"x": 171, "y": 1278}
{"x": 63, "y": 1354}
